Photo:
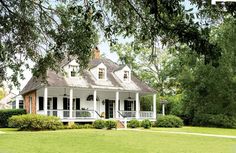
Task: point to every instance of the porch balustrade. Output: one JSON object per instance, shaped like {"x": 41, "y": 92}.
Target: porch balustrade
{"x": 128, "y": 114}
{"x": 75, "y": 113}
{"x": 146, "y": 114}
{"x": 87, "y": 114}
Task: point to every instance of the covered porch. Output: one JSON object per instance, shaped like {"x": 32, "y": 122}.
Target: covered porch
{"x": 87, "y": 105}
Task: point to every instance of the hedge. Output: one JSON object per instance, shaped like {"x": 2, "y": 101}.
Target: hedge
{"x": 110, "y": 124}
{"x": 146, "y": 124}
{"x": 169, "y": 121}
{"x": 7, "y": 113}
{"x": 34, "y": 122}
{"x": 211, "y": 120}
{"x": 99, "y": 124}
{"x": 133, "y": 123}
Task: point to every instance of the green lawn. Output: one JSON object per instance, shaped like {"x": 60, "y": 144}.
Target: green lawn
{"x": 219, "y": 131}
{"x": 114, "y": 141}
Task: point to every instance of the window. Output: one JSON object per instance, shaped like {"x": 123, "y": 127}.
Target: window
{"x": 72, "y": 73}
{"x": 101, "y": 73}
{"x": 14, "y": 105}
{"x": 21, "y": 104}
{"x": 74, "y": 70}
{"x": 126, "y": 75}
{"x": 129, "y": 105}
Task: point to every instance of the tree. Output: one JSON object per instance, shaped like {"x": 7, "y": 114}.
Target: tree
{"x": 208, "y": 89}
{"x": 45, "y": 32}
{"x": 2, "y": 93}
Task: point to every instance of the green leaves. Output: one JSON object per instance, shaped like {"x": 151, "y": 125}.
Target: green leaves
{"x": 44, "y": 34}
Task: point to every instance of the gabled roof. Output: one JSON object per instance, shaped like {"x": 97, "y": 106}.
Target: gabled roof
{"x": 88, "y": 81}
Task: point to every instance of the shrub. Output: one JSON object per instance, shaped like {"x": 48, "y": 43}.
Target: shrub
{"x": 86, "y": 126}
{"x": 7, "y": 113}
{"x": 169, "y": 121}
{"x": 35, "y": 122}
{"x": 133, "y": 123}
{"x": 219, "y": 120}
{"x": 78, "y": 126}
{"x": 146, "y": 124}
{"x": 110, "y": 124}
{"x": 99, "y": 124}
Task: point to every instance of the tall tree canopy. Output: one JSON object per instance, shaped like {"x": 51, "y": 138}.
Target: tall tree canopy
{"x": 45, "y": 31}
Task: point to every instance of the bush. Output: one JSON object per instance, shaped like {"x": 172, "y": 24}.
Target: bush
{"x": 219, "y": 120}
{"x": 110, "y": 124}
{"x": 99, "y": 124}
{"x": 146, "y": 124}
{"x": 133, "y": 123}
{"x": 35, "y": 122}
{"x": 86, "y": 126}
{"x": 169, "y": 121}
{"x": 7, "y": 113}
{"x": 78, "y": 126}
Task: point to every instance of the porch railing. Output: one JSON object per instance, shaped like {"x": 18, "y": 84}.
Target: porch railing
{"x": 61, "y": 113}
{"x": 128, "y": 114}
{"x": 146, "y": 114}
{"x": 75, "y": 113}
{"x": 83, "y": 113}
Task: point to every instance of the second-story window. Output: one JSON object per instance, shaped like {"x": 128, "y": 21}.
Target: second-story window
{"x": 74, "y": 70}
{"x": 101, "y": 73}
{"x": 126, "y": 75}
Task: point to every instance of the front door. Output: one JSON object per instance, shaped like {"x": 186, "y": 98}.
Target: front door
{"x": 109, "y": 108}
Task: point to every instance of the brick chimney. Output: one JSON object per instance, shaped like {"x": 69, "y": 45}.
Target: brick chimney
{"x": 96, "y": 53}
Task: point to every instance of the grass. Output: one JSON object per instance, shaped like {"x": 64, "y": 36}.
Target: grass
{"x": 106, "y": 141}
{"x": 207, "y": 130}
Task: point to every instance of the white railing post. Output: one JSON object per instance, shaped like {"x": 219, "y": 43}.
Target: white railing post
{"x": 125, "y": 123}
{"x": 154, "y": 106}
{"x": 117, "y": 104}
{"x": 137, "y": 105}
{"x": 45, "y": 105}
{"x": 95, "y": 102}
{"x": 71, "y": 102}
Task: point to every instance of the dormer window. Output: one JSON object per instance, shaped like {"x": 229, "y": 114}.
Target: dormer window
{"x": 101, "y": 73}
{"x": 72, "y": 73}
{"x": 73, "y": 70}
{"x": 126, "y": 76}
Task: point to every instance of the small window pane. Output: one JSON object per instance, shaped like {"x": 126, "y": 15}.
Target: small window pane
{"x": 101, "y": 73}
{"x": 72, "y": 73}
{"x": 126, "y": 75}
{"x": 21, "y": 104}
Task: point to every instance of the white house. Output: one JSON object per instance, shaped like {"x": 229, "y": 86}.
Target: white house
{"x": 17, "y": 102}
{"x": 103, "y": 90}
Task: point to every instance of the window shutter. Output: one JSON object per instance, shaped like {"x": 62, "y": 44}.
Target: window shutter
{"x": 54, "y": 102}
{"x": 65, "y": 104}
{"x": 77, "y": 103}
{"x": 41, "y": 103}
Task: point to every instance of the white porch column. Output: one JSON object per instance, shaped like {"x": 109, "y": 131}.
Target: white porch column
{"x": 117, "y": 104}
{"x": 137, "y": 105}
{"x": 17, "y": 103}
{"x": 163, "y": 109}
{"x": 154, "y": 106}
{"x": 45, "y": 105}
{"x": 71, "y": 102}
{"x": 95, "y": 102}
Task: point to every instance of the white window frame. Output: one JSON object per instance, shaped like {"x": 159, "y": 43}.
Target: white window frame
{"x": 128, "y": 76}
{"x": 74, "y": 69}
{"x": 104, "y": 73}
